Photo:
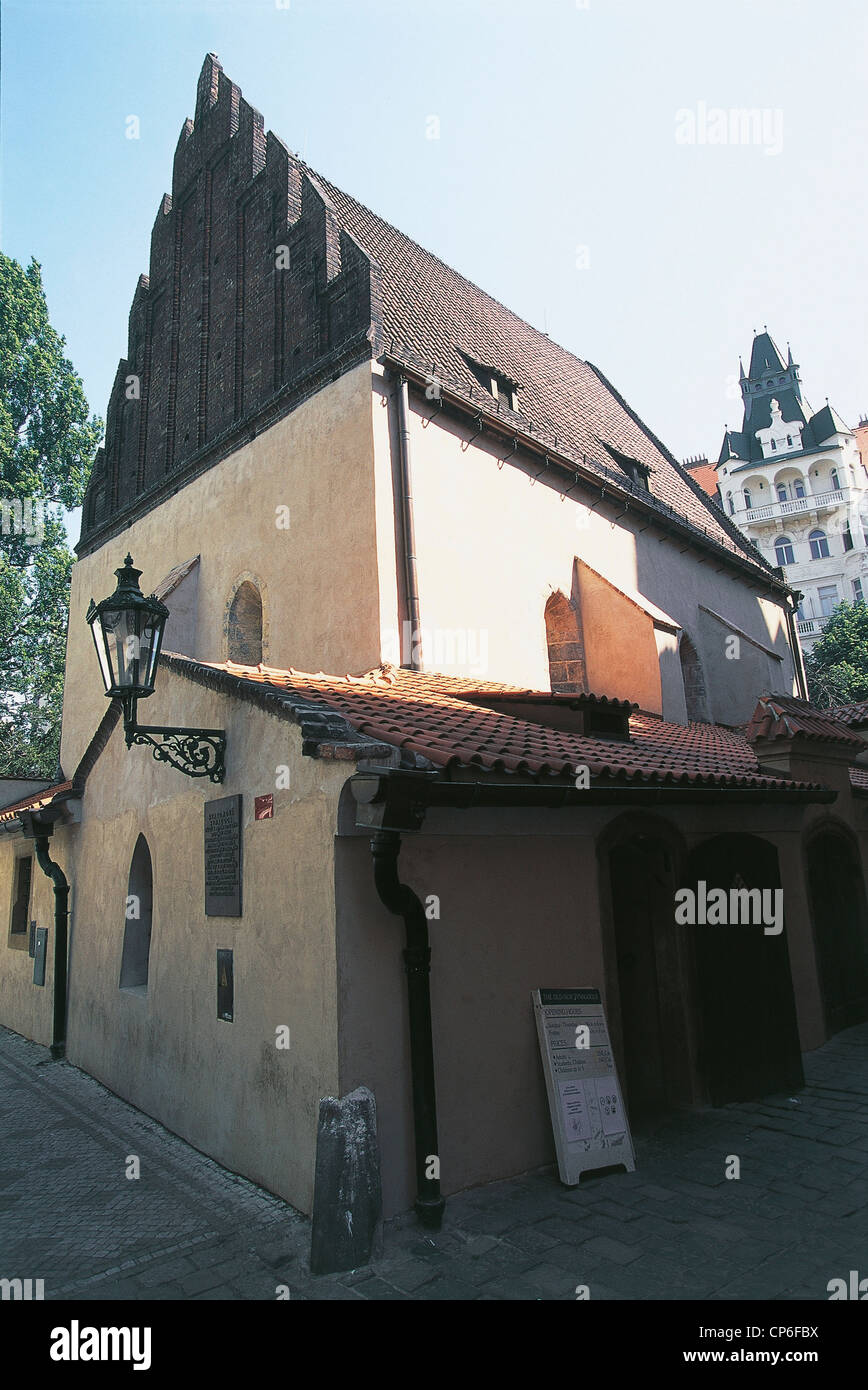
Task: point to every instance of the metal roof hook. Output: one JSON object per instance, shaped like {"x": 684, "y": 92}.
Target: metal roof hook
{"x": 480, "y": 424}
{"x": 439, "y": 406}
{"x": 574, "y": 483}
{"x": 540, "y": 473}
{"x": 501, "y": 462}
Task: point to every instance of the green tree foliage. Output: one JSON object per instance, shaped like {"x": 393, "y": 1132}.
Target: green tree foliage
{"x": 837, "y": 667}
{"x": 47, "y": 443}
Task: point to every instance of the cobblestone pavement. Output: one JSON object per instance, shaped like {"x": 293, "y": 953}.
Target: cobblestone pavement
{"x": 676, "y": 1228}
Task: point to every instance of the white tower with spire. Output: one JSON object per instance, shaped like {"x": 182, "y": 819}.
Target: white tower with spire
{"x": 793, "y": 480}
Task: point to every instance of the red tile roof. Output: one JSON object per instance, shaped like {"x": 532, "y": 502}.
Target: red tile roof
{"x": 853, "y": 715}
{"x": 434, "y": 717}
{"x": 706, "y": 475}
{"x": 36, "y": 802}
{"x": 785, "y": 717}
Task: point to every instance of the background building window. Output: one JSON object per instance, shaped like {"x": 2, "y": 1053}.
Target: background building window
{"x": 782, "y": 492}
{"x": 819, "y": 545}
{"x": 138, "y": 912}
{"x": 828, "y": 595}
{"x": 730, "y": 504}
{"x": 21, "y": 900}
{"x": 858, "y": 596}
{"x": 747, "y": 498}
{"x": 784, "y": 551}
{"x": 799, "y": 487}
{"x": 834, "y": 476}
{"x": 245, "y": 626}
{"x": 848, "y": 539}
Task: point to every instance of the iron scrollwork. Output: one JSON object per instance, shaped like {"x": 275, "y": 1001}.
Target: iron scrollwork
{"x": 195, "y": 752}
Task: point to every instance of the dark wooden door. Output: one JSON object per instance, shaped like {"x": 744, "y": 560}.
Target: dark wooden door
{"x": 748, "y": 1036}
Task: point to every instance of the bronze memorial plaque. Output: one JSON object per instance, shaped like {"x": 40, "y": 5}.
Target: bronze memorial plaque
{"x": 223, "y": 857}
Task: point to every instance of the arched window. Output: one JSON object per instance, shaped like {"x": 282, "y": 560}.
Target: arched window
{"x": 565, "y": 646}
{"x": 747, "y": 502}
{"x": 245, "y": 626}
{"x": 138, "y": 911}
{"x": 784, "y": 551}
{"x": 694, "y": 680}
{"x": 799, "y": 487}
{"x": 819, "y": 545}
{"x": 782, "y": 492}
{"x": 834, "y": 476}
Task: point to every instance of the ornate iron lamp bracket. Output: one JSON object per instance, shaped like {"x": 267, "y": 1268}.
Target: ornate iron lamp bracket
{"x": 195, "y": 752}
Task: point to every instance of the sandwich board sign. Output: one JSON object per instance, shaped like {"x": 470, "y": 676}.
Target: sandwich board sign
{"x": 587, "y": 1111}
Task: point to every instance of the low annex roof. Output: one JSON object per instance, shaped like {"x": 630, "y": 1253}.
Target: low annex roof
{"x": 785, "y": 717}
{"x": 435, "y": 718}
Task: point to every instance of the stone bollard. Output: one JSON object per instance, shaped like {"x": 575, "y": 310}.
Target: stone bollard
{"x": 347, "y": 1200}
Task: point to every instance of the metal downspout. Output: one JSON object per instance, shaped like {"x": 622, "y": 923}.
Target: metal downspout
{"x": 408, "y": 527}
{"x": 401, "y": 900}
{"x": 798, "y": 656}
{"x": 61, "y": 936}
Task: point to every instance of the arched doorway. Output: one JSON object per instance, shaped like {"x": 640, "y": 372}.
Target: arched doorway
{"x": 652, "y": 985}
{"x": 138, "y": 913}
{"x": 746, "y": 1013}
{"x": 840, "y": 917}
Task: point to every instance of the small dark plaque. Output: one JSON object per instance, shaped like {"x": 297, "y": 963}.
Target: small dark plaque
{"x": 569, "y": 996}
{"x": 39, "y": 955}
{"x": 223, "y": 857}
{"x": 225, "y": 986}
{"x": 31, "y": 945}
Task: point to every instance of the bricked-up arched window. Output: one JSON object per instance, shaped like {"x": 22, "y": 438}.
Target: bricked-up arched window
{"x": 566, "y": 647}
{"x": 694, "y": 681}
{"x": 138, "y": 911}
{"x": 245, "y": 626}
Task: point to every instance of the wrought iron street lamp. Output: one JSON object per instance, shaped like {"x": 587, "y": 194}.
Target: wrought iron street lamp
{"x": 127, "y": 632}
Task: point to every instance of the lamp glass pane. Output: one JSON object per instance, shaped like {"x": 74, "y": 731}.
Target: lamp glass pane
{"x": 122, "y": 634}
{"x": 152, "y": 632}
{"x": 102, "y": 654}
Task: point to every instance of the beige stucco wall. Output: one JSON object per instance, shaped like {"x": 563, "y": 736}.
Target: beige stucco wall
{"x": 25, "y": 1007}
{"x": 223, "y": 1086}
{"x": 520, "y": 908}
{"x": 491, "y": 548}
{"x": 620, "y": 648}
{"x": 320, "y": 576}
{"x": 516, "y": 913}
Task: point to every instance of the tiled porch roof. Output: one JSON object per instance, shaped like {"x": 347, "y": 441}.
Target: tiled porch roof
{"x": 435, "y": 718}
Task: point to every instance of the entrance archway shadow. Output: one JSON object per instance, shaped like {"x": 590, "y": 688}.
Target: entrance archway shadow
{"x": 840, "y": 918}
{"x": 641, "y": 864}
{"x": 748, "y": 1035}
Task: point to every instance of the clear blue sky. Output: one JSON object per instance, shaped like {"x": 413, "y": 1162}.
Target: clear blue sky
{"x": 557, "y": 130}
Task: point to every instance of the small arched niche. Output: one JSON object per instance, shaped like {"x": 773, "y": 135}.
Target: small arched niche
{"x": 244, "y": 625}
{"x": 695, "y": 695}
{"x": 138, "y": 913}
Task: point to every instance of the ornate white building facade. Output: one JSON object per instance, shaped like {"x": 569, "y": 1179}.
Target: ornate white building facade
{"x": 794, "y": 481}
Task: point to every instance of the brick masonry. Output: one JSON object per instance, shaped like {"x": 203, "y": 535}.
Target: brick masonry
{"x": 255, "y": 296}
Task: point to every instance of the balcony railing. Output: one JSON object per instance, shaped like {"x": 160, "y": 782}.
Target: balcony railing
{"x": 809, "y": 627}
{"x": 818, "y": 502}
